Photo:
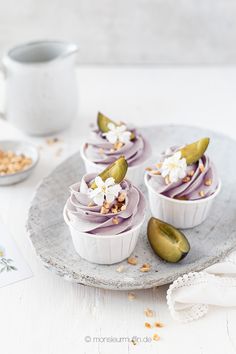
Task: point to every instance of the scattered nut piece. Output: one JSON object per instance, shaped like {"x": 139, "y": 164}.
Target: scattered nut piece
{"x": 191, "y": 173}
{"x": 186, "y": 179}
{"x": 100, "y": 151}
{"x": 118, "y": 145}
{"x": 11, "y": 163}
{"x": 114, "y": 210}
{"x": 105, "y": 211}
{"x": 90, "y": 204}
{"x": 158, "y": 165}
{"x": 149, "y": 313}
{"x": 131, "y": 296}
{"x": 148, "y": 169}
{"x": 147, "y": 325}
{"x": 52, "y": 141}
{"x": 121, "y": 197}
{"x": 156, "y": 172}
{"x": 115, "y": 221}
{"x": 202, "y": 194}
{"x": 123, "y": 207}
{"x": 201, "y": 168}
{"x": 132, "y": 260}
{"x": 146, "y": 267}
{"x": 112, "y": 150}
{"x": 120, "y": 269}
{"x": 155, "y": 337}
{"x": 208, "y": 182}
{"x": 167, "y": 180}
{"x": 158, "y": 324}
{"x": 106, "y": 205}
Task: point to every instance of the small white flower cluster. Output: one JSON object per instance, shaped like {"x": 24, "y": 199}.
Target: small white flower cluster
{"x": 117, "y": 134}
{"x": 106, "y": 191}
{"x": 174, "y": 167}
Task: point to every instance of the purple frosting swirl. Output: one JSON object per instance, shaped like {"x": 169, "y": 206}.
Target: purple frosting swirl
{"x": 196, "y": 188}
{"x": 89, "y": 219}
{"x": 136, "y": 151}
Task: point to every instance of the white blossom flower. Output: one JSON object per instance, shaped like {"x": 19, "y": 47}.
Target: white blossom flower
{"x": 107, "y": 190}
{"x": 174, "y": 167}
{"x": 117, "y": 133}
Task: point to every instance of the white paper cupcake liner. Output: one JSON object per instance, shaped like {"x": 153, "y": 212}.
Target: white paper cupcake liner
{"x": 103, "y": 249}
{"x": 182, "y": 214}
{"x": 135, "y": 173}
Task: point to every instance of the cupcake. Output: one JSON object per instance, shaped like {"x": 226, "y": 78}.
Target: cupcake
{"x": 105, "y": 213}
{"x": 109, "y": 141}
{"x": 182, "y": 185}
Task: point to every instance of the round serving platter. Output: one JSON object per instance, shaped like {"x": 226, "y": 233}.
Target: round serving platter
{"x": 211, "y": 241}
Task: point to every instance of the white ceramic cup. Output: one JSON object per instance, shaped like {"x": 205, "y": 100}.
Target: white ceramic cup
{"x": 182, "y": 214}
{"x": 41, "y": 86}
{"x": 134, "y": 174}
{"x": 103, "y": 249}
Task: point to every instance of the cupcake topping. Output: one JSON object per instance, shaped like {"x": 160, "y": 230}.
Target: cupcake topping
{"x": 179, "y": 175}
{"x": 111, "y": 139}
{"x": 106, "y": 204}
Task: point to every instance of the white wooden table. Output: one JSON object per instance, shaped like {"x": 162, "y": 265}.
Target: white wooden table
{"x": 47, "y": 315}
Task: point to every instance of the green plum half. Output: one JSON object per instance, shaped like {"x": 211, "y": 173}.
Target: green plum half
{"x": 167, "y": 242}
{"x": 193, "y": 152}
{"x": 117, "y": 170}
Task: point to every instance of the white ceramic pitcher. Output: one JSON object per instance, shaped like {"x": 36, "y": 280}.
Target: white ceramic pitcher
{"x": 41, "y": 87}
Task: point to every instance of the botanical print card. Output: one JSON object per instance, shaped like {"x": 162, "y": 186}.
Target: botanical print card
{"x": 12, "y": 265}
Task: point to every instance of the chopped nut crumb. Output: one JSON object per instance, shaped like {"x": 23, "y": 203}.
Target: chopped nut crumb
{"x": 104, "y": 210}
{"x": 156, "y": 337}
{"x": 208, "y": 182}
{"x": 186, "y": 179}
{"x": 158, "y": 165}
{"x": 201, "y": 168}
{"x": 191, "y": 173}
{"x": 90, "y": 204}
{"x": 132, "y": 260}
{"x": 112, "y": 150}
{"x": 123, "y": 207}
{"x": 167, "y": 180}
{"x": 120, "y": 269}
{"x": 121, "y": 197}
{"x": 148, "y": 169}
{"x": 156, "y": 173}
{"x": 114, "y": 210}
{"x": 52, "y": 141}
{"x": 146, "y": 267}
{"x": 148, "y": 325}
{"x": 100, "y": 151}
{"x": 149, "y": 313}
{"x": 131, "y": 296}
{"x": 11, "y": 163}
{"x": 115, "y": 221}
{"x": 118, "y": 145}
{"x": 106, "y": 205}
{"x": 202, "y": 194}
{"x": 158, "y": 324}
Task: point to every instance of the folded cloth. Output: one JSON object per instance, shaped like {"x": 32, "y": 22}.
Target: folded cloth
{"x": 189, "y": 296}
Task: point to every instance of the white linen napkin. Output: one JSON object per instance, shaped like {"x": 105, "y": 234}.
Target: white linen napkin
{"x": 189, "y": 296}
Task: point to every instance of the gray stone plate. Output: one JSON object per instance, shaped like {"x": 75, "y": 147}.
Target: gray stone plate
{"x": 209, "y": 242}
